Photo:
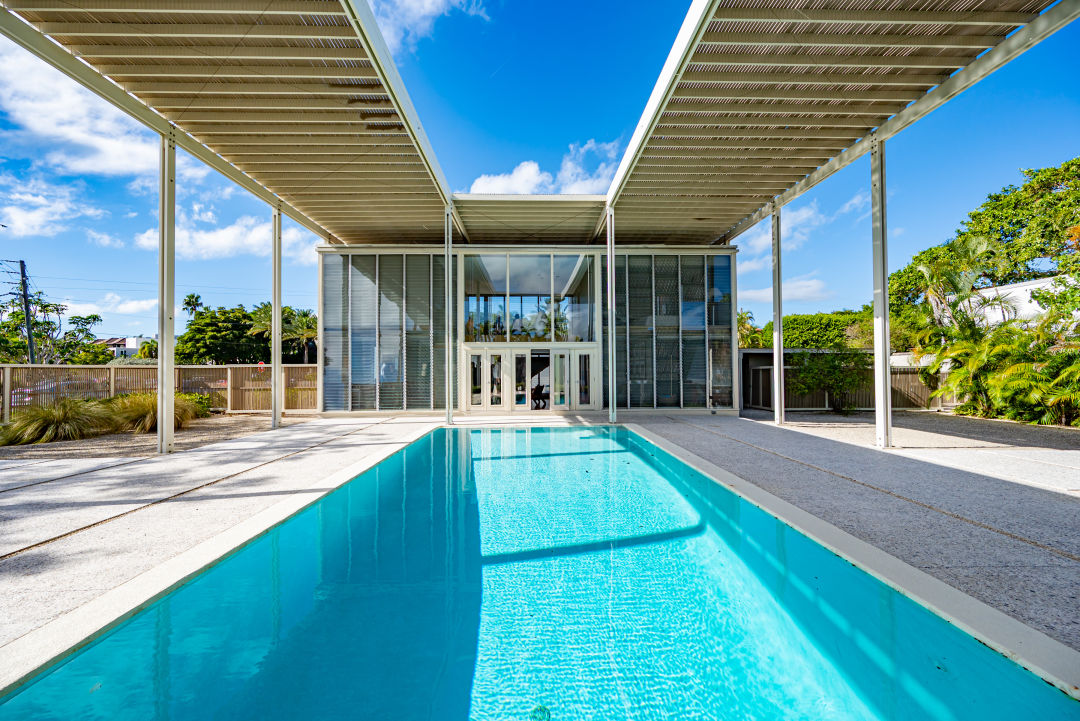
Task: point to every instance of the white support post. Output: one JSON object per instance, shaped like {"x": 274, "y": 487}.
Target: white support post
{"x": 166, "y": 378}
{"x": 778, "y": 321}
{"x": 276, "y": 369}
{"x": 882, "y": 379}
{"x": 611, "y": 313}
{"x": 448, "y": 243}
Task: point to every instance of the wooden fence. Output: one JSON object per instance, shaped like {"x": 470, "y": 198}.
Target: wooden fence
{"x": 235, "y": 388}
{"x": 908, "y": 391}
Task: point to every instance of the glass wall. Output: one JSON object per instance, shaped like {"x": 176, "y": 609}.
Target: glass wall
{"x": 529, "y": 298}
{"x": 485, "y": 298}
{"x": 673, "y": 330}
{"x": 385, "y": 319}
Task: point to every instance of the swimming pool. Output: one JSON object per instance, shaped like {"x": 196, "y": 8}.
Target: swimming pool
{"x": 562, "y": 573}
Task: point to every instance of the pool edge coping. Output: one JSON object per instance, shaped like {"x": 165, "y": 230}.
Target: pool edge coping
{"x": 1049, "y": 659}
{"x": 35, "y": 651}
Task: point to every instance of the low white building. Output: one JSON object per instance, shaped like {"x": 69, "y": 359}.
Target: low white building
{"x": 123, "y": 347}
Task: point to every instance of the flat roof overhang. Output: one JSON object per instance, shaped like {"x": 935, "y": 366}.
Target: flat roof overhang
{"x": 300, "y": 103}
{"x": 531, "y": 219}
{"x": 758, "y": 102}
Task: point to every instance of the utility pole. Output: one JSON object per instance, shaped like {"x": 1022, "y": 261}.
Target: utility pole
{"x": 26, "y": 310}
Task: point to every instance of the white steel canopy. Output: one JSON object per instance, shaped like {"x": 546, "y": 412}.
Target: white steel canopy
{"x": 759, "y": 100}
{"x": 298, "y": 95}
{"x": 300, "y": 103}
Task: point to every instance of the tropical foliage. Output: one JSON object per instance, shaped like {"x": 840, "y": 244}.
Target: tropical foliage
{"x": 237, "y": 335}
{"x": 67, "y": 419}
{"x": 839, "y": 372}
{"x": 54, "y": 342}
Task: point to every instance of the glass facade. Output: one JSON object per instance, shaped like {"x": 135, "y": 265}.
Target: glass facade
{"x": 385, "y": 318}
{"x": 384, "y": 330}
{"x": 673, "y": 330}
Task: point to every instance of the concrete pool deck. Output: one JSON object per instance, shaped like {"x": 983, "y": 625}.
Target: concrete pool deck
{"x": 956, "y": 502}
{"x": 989, "y": 508}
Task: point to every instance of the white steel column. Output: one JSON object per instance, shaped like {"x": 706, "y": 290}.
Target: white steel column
{"x": 448, "y": 242}
{"x": 276, "y": 369}
{"x": 166, "y": 381}
{"x": 882, "y": 377}
{"x": 611, "y": 312}
{"x": 777, "y": 321}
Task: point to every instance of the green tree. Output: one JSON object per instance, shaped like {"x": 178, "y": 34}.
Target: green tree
{"x": 838, "y": 371}
{"x": 52, "y": 342}
{"x": 750, "y": 336}
{"x": 304, "y": 330}
{"x": 149, "y": 349}
{"x": 221, "y": 335}
{"x": 193, "y": 303}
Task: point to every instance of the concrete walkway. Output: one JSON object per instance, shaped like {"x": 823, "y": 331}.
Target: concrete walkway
{"x": 990, "y": 508}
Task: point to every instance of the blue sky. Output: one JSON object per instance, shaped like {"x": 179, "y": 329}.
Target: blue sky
{"x": 515, "y": 97}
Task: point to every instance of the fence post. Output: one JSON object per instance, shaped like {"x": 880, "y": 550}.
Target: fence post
{"x": 7, "y": 394}
{"x": 112, "y": 381}
{"x": 228, "y": 388}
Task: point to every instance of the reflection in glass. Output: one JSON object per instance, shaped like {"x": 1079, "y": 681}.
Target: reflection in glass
{"x": 692, "y": 308}
{"x": 558, "y": 386}
{"x": 530, "y": 297}
{"x": 485, "y": 298}
{"x": 496, "y": 379}
{"x": 364, "y": 325}
{"x": 540, "y": 382}
{"x": 583, "y": 379}
{"x": 719, "y": 320}
{"x": 573, "y": 309}
{"x": 521, "y": 380}
{"x": 476, "y": 391}
{"x": 391, "y": 301}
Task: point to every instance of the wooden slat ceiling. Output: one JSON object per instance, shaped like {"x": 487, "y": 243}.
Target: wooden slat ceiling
{"x": 285, "y": 90}
{"x": 769, "y": 90}
{"x": 524, "y": 219}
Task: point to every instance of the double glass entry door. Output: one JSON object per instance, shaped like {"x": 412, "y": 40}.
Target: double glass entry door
{"x": 532, "y": 379}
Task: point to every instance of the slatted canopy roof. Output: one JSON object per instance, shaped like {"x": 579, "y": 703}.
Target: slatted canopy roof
{"x": 299, "y": 95}
{"x": 299, "y": 102}
{"x": 521, "y": 219}
{"x": 758, "y": 95}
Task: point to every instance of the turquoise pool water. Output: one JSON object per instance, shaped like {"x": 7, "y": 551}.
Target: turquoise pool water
{"x": 570, "y": 573}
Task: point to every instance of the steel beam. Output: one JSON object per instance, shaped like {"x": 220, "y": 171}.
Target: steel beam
{"x": 448, "y": 287}
{"x": 166, "y": 381}
{"x": 882, "y": 372}
{"x": 610, "y": 212}
{"x": 276, "y": 368}
{"x": 778, "y": 321}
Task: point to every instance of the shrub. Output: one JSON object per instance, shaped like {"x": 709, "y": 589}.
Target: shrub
{"x": 66, "y": 419}
{"x": 839, "y": 372}
{"x": 137, "y": 412}
{"x": 201, "y": 401}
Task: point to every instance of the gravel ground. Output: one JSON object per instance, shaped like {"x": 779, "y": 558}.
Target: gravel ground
{"x": 199, "y": 432}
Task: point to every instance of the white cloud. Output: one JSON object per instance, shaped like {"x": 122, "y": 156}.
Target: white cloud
{"x": 524, "y": 179}
{"x": 87, "y": 134}
{"x": 104, "y": 239}
{"x": 797, "y": 225}
{"x": 35, "y": 207}
{"x": 111, "y": 303}
{"x": 403, "y": 22}
{"x": 247, "y": 235}
{"x": 574, "y": 176}
{"x": 799, "y": 288}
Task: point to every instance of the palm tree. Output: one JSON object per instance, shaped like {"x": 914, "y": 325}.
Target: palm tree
{"x": 193, "y": 303}
{"x": 750, "y": 336}
{"x": 304, "y": 328}
{"x": 148, "y": 349}
{"x": 262, "y": 320}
